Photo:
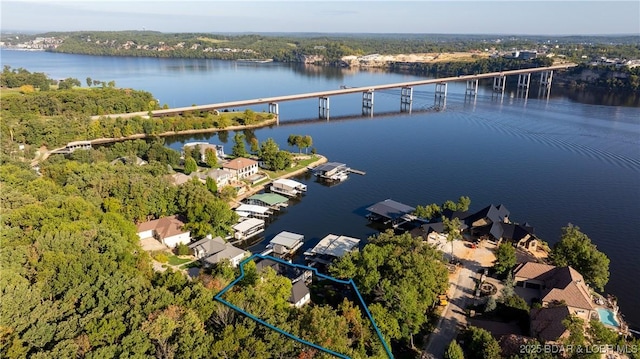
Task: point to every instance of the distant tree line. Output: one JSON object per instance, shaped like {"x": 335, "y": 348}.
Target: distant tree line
{"x": 481, "y": 65}
{"x": 289, "y": 48}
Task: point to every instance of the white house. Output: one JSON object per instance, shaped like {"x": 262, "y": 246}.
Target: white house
{"x": 167, "y": 230}
{"x": 241, "y": 167}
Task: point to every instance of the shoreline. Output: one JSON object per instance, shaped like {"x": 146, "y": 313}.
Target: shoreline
{"x": 259, "y": 187}
{"x": 265, "y": 123}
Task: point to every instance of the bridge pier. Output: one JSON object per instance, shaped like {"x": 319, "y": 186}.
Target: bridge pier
{"x": 523, "y": 85}
{"x": 323, "y": 107}
{"x": 545, "y": 83}
{"x": 367, "y": 103}
{"x": 440, "y": 100}
{"x": 406, "y": 99}
{"x": 274, "y": 109}
{"x": 472, "y": 88}
{"x": 499, "y": 84}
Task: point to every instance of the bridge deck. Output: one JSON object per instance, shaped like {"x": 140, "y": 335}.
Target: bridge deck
{"x": 342, "y": 91}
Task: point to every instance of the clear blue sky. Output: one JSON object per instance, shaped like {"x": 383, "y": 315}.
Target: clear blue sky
{"x": 368, "y": 16}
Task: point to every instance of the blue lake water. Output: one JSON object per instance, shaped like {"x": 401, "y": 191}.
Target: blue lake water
{"x": 550, "y": 162}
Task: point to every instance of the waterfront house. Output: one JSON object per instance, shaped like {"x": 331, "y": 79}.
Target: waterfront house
{"x": 390, "y": 212}
{"x": 555, "y": 286}
{"x": 487, "y": 222}
{"x": 248, "y": 228}
{"x": 213, "y": 250}
{"x": 546, "y": 323}
{"x": 331, "y": 247}
{"x": 221, "y": 176}
{"x": 204, "y": 146}
{"x": 168, "y": 230}
{"x": 286, "y": 243}
{"x": 288, "y": 187}
{"x": 292, "y": 272}
{"x": 300, "y": 294}
{"x": 271, "y": 200}
{"x": 299, "y": 278}
{"x": 241, "y": 167}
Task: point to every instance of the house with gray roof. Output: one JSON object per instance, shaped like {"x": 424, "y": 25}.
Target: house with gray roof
{"x": 211, "y": 251}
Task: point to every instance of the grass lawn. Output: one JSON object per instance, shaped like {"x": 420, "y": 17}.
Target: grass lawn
{"x": 176, "y": 261}
{"x": 301, "y": 164}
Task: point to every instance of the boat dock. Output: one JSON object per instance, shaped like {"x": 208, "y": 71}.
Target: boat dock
{"x": 358, "y": 172}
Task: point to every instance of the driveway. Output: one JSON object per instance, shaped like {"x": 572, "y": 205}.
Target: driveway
{"x": 461, "y": 291}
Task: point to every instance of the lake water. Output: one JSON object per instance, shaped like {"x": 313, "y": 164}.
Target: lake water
{"x": 550, "y": 162}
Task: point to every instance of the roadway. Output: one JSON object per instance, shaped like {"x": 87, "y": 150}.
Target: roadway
{"x": 344, "y": 91}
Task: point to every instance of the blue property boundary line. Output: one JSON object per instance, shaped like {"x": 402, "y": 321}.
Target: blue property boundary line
{"x": 218, "y": 297}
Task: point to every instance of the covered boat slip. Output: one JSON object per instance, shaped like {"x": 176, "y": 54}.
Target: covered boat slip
{"x": 391, "y": 212}
{"x": 286, "y": 243}
{"x": 331, "y": 247}
{"x": 270, "y": 200}
{"x": 333, "y": 171}
{"x": 248, "y": 228}
{"x": 288, "y": 187}
{"x": 253, "y": 211}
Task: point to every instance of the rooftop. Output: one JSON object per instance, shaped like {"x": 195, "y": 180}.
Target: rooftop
{"x": 164, "y": 227}
{"x": 252, "y": 208}
{"x": 287, "y": 239}
{"x": 269, "y": 198}
{"x": 248, "y": 224}
{"x": 239, "y": 163}
{"x": 334, "y": 245}
{"x": 390, "y": 209}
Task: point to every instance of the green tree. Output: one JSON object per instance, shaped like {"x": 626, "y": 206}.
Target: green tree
{"x": 381, "y": 273}
{"x": 89, "y": 82}
{"x": 182, "y": 249}
{"x": 454, "y": 351}
{"x": 295, "y": 140}
{"x": 211, "y": 158}
{"x": 306, "y": 142}
{"x": 452, "y": 229}
{"x": 480, "y": 344}
{"x": 576, "y": 250}
{"x": 450, "y": 205}
{"x": 505, "y": 258}
{"x": 190, "y": 165}
{"x": 211, "y": 185}
{"x": 238, "y": 149}
{"x": 463, "y": 203}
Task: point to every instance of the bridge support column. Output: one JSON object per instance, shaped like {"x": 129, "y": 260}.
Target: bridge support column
{"x": 406, "y": 99}
{"x": 523, "y": 85}
{"x": 472, "y": 88}
{"x": 323, "y": 107}
{"x": 499, "y": 84}
{"x": 367, "y": 103}
{"x": 440, "y": 100}
{"x": 273, "y": 108}
{"x": 545, "y": 83}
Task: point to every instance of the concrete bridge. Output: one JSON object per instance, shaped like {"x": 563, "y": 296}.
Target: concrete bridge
{"x": 406, "y": 94}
